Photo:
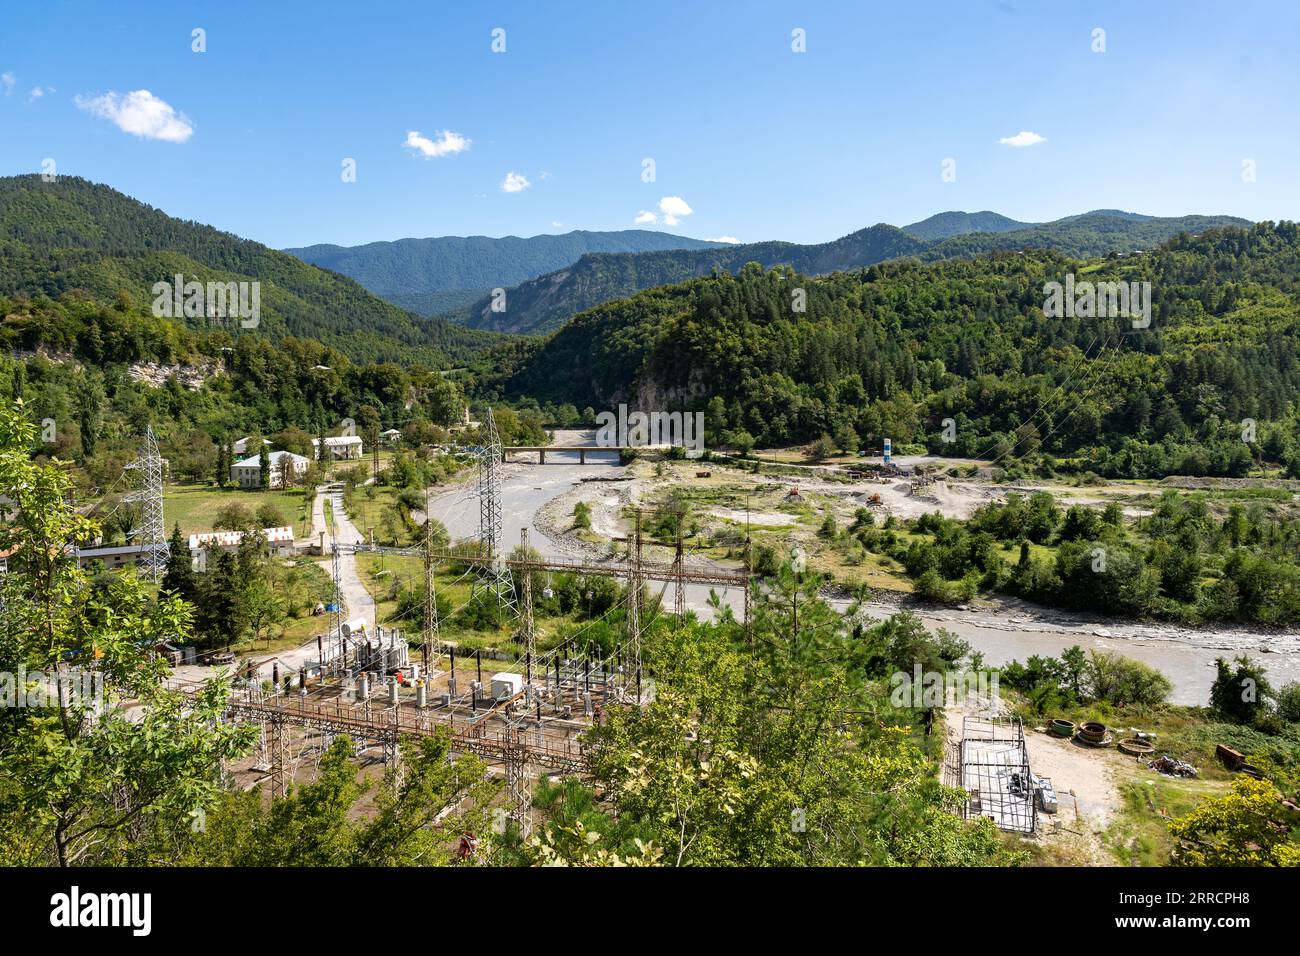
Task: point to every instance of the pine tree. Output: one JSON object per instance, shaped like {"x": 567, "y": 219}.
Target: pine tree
{"x": 265, "y": 478}
{"x": 179, "y": 579}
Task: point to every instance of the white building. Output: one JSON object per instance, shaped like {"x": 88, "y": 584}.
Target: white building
{"x": 279, "y": 540}
{"x": 248, "y": 472}
{"x": 390, "y": 436}
{"x": 340, "y": 447}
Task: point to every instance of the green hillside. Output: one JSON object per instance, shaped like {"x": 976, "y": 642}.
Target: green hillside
{"x": 547, "y": 302}
{"x": 74, "y": 234}
{"x": 893, "y": 350}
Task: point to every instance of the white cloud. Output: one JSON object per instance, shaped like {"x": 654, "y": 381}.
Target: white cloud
{"x": 38, "y": 91}
{"x": 514, "y": 183}
{"x": 673, "y": 209}
{"x": 557, "y": 225}
{"x": 446, "y": 143}
{"x": 1023, "y": 138}
{"x": 731, "y": 239}
{"x": 142, "y": 114}
{"x": 8, "y": 80}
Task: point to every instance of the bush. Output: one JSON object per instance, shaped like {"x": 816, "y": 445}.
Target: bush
{"x": 269, "y": 516}
{"x": 1240, "y": 692}
{"x": 822, "y": 448}
{"x": 1122, "y": 681}
{"x": 235, "y": 516}
{"x": 1288, "y": 703}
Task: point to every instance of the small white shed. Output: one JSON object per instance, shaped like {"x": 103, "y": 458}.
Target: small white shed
{"x": 506, "y": 685}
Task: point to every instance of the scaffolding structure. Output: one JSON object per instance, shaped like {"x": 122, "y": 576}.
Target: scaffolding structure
{"x": 152, "y": 529}
{"x": 994, "y": 772}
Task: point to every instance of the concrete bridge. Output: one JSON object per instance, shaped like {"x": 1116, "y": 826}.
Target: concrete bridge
{"x": 581, "y": 450}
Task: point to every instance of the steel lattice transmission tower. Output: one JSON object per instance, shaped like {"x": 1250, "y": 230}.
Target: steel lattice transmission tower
{"x": 430, "y": 632}
{"x": 633, "y": 661}
{"x": 152, "y": 530}
{"x": 529, "y": 633}
{"x": 495, "y": 576}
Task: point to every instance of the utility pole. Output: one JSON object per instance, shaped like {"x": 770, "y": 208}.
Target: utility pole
{"x": 516, "y": 781}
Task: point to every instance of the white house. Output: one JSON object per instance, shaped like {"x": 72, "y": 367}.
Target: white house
{"x": 248, "y": 472}
{"x": 340, "y": 447}
{"x": 241, "y": 447}
{"x": 390, "y": 436}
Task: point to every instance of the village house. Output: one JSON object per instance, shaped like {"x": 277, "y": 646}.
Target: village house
{"x": 340, "y": 448}
{"x": 247, "y": 473}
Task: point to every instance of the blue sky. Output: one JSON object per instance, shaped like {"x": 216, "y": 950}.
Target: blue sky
{"x": 757, "y": 141}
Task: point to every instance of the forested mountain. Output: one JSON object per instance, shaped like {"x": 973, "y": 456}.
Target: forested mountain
{"x": 547, "y": 302}
{"x": 944, "y": 225}
{"x": 442, "y": 274}
{"x": 893, "y": 350}
{"x": 1091, "y": 234}
{"x": 72, "y": 234}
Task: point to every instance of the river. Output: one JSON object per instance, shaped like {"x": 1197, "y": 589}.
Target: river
{"x": 1185, "y": 655}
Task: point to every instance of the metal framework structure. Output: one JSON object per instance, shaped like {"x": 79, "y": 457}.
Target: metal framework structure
{"x": 152, "y": 530}
{"x": 994, "y": 772}
{"x": 526, "y": 629}
{"x": 494, "y": 577}
{"x": 537, "y": 727}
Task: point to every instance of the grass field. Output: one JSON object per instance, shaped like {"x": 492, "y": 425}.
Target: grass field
{"x": 195, "y": 507}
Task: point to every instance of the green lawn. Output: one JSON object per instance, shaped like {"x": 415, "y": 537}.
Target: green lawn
{"x": 195, "y": 507}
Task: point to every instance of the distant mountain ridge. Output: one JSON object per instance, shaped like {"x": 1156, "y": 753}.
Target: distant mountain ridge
{"x": 546, "y": 302}
{"x": 945, "y": 225}
{"x": 440, "y": 274}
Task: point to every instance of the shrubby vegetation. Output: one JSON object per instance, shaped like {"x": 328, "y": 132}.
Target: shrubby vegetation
{"x": 1181, "y": 562}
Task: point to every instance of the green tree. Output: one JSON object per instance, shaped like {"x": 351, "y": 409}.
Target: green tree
{"x": 179, "y": 579}
{"x": 1241, "y": 691}
{"x": 1249, "y": 826}
{"x": 75, "y": 786}
{"x": 777, "y": 755}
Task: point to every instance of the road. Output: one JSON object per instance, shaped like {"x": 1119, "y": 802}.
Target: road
{"x": 356, "y": 598}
